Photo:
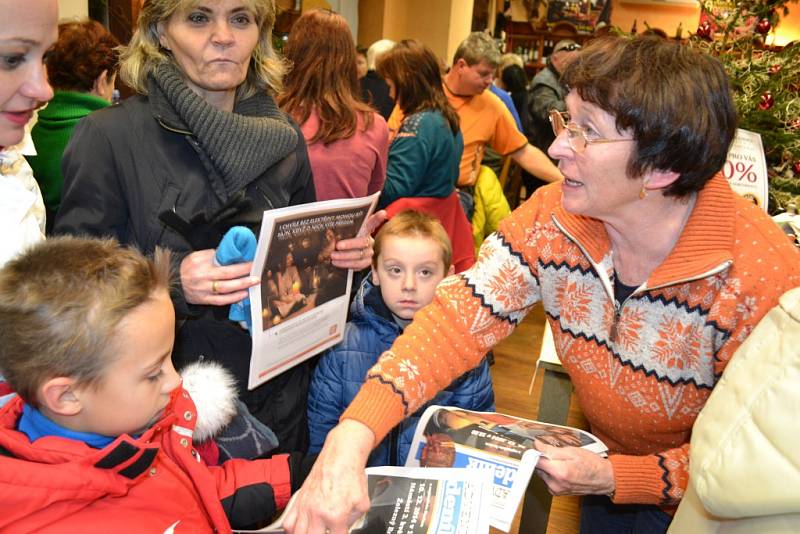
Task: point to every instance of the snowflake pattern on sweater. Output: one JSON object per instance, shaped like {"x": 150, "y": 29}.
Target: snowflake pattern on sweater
{"x": 641, "y": 375}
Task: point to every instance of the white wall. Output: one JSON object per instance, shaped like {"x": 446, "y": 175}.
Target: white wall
{"x": 349, "y": 10}
{"x": 71, "y": 9}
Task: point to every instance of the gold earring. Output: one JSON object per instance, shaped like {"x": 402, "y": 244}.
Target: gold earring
{"x": 643, "y": 192}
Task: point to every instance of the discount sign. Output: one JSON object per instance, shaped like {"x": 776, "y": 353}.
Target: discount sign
{"x": 746, "y": 167}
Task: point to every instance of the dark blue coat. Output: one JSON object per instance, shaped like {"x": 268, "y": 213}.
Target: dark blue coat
{"x": 341, "y": 371}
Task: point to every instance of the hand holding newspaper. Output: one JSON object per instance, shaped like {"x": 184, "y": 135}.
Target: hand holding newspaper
{"x": 418, "y": 501}
{"x": 496, "y": 443}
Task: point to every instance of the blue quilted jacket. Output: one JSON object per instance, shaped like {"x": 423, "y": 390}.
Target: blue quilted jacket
{"x": 341, "y": 371}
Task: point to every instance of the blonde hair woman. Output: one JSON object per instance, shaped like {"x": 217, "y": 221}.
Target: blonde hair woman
{"x": 203, "y": 147}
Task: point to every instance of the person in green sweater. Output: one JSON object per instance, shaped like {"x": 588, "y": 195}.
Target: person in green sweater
{"x": 82, "y": 68}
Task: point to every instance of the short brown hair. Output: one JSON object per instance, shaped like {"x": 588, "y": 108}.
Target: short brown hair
{"x": 675, "y": 100}
{"x": 323, "y": 77}
{"x": 84, "y": 50}
{"x": 414, "y": 69}
{"x": 411, "y": 223}
{"x": 144, "y": 53}
{"x": 60, "y": 304}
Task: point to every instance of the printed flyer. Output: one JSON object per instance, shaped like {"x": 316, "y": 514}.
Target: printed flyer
{"x": 300, "y": 307}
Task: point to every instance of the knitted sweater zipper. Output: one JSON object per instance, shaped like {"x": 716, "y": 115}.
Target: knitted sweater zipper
{"x": 606, "y": 281}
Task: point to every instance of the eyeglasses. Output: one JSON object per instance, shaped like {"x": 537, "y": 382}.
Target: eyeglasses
{"x": 576, "y": 135}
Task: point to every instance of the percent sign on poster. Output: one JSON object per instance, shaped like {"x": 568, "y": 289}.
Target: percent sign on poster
{"x": 746, "y": 167}
{"x": 740, "y": 171}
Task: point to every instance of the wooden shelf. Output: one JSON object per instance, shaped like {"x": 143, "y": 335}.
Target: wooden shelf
{"x": 536, "y": 44}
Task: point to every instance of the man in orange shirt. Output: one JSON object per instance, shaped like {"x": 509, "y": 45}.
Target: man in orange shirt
{"x": 484, "y": 119}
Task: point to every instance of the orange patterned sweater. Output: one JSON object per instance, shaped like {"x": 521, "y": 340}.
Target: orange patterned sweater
{"x": 641, "y": 373}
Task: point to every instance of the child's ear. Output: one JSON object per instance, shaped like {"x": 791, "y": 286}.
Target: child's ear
{"x": 374, "y": 276}
{"x": 58, "y": 396}
{"x": 451, "y": 271}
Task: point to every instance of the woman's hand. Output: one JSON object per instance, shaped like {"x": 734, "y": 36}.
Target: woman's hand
{"x": 574, "y": 471}
{"x": 356, "y": 253}
{"x": 334, "y": 495}
{"x": 206, "y": 283}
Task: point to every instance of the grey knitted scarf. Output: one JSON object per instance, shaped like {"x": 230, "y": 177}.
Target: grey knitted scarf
{"x": 240, "y": 145}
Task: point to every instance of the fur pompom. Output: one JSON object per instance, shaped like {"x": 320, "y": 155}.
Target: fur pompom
{"x": 213, "y": 390}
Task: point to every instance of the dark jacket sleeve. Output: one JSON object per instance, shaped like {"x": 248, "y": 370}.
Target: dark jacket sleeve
{"x": 255, "y": 491}
{"x": 304, "y": 191}
{"x": 542, "y": 99}
{"x": 92, "y": 200}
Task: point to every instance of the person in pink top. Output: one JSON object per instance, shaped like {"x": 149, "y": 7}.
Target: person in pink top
{"x": 347, "y": 140}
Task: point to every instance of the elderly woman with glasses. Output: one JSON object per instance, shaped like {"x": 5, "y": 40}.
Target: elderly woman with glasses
{"x": 651, "y": 272}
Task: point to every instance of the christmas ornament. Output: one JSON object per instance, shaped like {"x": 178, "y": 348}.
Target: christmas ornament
{"x": 767, "y": 101}
{"x": 763, "y": 27}
{"x": 704, "y": 30}
{"x": 774, "y": 69}
{"x": 796, "y": 167}
{"x": 794, "y": 124}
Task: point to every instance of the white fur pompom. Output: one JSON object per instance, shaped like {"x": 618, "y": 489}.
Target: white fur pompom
{"x": 213, "y": 390}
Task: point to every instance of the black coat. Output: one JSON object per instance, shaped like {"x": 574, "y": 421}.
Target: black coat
{"x": 374, "y": 91}
{"x": 127, "y": 164}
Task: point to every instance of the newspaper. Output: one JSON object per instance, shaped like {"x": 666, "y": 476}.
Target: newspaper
{"x": 300, "y": 307}
{"x": 499, "y": 444}
{"x": 405, "y": 500}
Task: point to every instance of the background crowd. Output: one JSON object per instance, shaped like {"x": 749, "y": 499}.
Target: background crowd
{"x": 651, "y": 271}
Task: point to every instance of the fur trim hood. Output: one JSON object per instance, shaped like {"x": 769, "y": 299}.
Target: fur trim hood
{"x": 213, "y": 390}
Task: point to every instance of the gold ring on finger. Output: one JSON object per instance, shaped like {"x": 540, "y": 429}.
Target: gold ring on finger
{"x": 215, "y": 286}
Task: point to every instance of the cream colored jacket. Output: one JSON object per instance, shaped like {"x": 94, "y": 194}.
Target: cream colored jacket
{"x": 22, "y": 213}
{"x": 745, "y": 450}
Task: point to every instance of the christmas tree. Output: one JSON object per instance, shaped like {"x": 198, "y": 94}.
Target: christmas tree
{"x": 765, "y": 80}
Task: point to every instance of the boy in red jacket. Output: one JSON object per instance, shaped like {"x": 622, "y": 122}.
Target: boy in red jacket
{"x": 99, "y": 438}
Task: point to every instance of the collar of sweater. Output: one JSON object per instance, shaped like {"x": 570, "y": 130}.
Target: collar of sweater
{"x": 70, "y": 106}
{"x": 240, "y": 145}
{"x": 705, "y": 243}
{"x": 369, "y": 306}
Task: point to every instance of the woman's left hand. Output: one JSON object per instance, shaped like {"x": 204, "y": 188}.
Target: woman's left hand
{"x": 574, "y": 471}
{"x": 356, "y": 253}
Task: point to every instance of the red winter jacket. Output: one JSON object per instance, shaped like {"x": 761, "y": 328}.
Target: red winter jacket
{"x": 156, "y": 483}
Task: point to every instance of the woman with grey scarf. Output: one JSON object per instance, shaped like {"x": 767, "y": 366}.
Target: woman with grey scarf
{"x": 202, "y": 147}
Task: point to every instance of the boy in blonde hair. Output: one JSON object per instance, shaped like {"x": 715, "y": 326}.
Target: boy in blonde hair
{"x": 412, "y": 255}
{"x": 99, "y": 436}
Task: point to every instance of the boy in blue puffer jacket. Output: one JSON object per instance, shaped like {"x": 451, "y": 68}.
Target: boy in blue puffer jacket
{"x": 412, "y": 255}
